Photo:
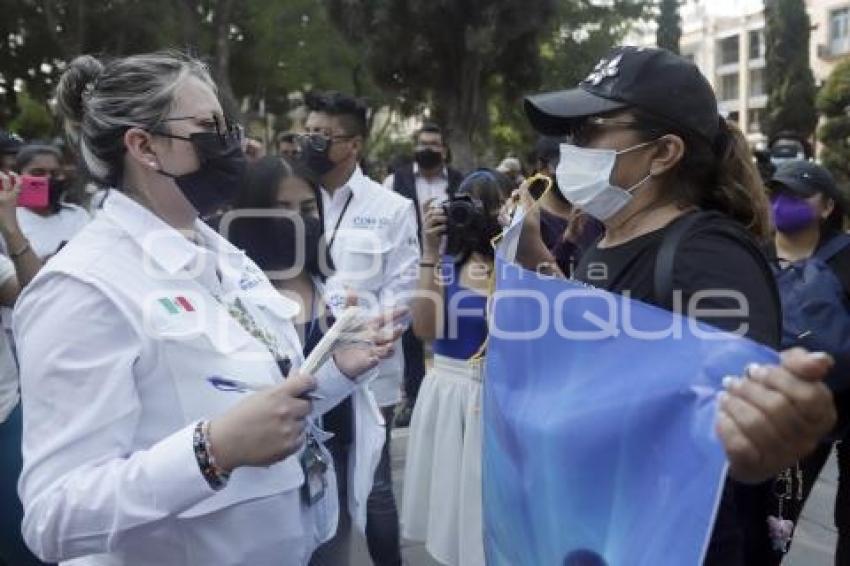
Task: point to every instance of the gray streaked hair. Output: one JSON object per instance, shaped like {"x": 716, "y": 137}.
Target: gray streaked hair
{"x": 99, "y": 101}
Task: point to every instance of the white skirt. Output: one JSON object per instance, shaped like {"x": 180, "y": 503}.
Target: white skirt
{"x": 442, "y": 476}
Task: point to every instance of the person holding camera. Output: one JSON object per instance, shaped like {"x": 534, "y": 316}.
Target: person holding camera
{"x": 442, "y": 488}
{"x": 428, "y": 177}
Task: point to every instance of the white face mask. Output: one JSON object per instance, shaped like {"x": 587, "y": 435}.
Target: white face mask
{"x": 584, "y": 178}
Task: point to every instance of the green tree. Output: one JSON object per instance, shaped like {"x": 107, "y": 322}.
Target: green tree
{"x": 669, "y": 30}
{"x": 41, "y": 36}
{"x": 581, "y": 34}
{"x": 834, "y": 103}
{"x": 33, "y": 121}
{"x": 445, "y": 54}
{"x": 788, "y": 77}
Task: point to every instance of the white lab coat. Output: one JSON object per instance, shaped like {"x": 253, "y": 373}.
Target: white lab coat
{"x": 376, "y": 254}
{"x": 118, "y": 336}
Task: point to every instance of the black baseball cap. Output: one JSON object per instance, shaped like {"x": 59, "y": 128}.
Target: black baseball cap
{"x": 653, "y": 80}
{"x": 806, "y": 179}
{"x": 10, "y": 144}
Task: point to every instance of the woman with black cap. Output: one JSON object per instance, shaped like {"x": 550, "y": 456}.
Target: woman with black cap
{"x": 811, "y": 259}
{"x": 684, "y": 210}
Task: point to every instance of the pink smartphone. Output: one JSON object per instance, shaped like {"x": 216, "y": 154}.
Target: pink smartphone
{"x": 34, "y": 192}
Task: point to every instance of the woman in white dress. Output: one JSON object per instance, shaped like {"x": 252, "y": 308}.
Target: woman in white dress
{"x": 442, "y": 488}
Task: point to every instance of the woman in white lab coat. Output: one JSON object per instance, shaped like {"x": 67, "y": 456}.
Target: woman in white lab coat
{"x": 159, "y": 427}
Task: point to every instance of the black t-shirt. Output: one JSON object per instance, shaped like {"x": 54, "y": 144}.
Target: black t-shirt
{"x": 714, "y": 255}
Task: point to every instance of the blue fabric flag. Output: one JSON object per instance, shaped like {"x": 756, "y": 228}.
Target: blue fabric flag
{"x": 599, "y": 411}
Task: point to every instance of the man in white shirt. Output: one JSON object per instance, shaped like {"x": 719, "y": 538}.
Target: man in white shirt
{"x": 373, "y": 241}
{"x": 428, "y": 178}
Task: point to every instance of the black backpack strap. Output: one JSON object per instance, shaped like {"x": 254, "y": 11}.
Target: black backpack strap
{"x": 835, "y": 244}
{"x": 455, "y": 179}
{"x": 666, "y": 258}
{"x": 404, "y": 183}
{"x": 664, "y": 262}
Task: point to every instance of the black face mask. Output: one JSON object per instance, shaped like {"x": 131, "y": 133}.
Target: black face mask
{"x": 428, "y": 158}
{"x": 55, "y": 189}
{"x": 218, "y": 180}
{"x": 271, "y": 242}
{"x": 314, "y": 156}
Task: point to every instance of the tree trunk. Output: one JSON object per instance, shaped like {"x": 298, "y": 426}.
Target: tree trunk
{"x": 460, "y": 106}
{"x": 222, "y": 22}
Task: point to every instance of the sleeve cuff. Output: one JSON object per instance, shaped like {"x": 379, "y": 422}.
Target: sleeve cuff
{"x": 176, "y": 479}
{"x": 334, "y": 386}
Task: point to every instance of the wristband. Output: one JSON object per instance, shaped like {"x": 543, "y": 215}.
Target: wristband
{"x": 216, "y": 478}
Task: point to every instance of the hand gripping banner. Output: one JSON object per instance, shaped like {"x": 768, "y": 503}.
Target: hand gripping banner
{"x": 599, "y": 442}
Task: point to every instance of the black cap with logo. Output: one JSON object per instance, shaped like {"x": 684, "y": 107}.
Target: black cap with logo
{"x": 806, "y": 179}
{"x": 653, "y": 80}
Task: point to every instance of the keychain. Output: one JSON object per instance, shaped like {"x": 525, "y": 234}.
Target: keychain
{"x": 780, "y": 528}
{"x": 314, "y": 465}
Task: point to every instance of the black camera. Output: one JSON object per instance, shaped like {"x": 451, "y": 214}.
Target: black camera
{"x": 463, "y": 213}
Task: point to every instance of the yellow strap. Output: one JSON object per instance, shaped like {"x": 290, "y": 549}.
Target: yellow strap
{"x": 482, "y": 351}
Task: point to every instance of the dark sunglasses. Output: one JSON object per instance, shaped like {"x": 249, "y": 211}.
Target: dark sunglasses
{"x": 319, "y": 142}
{"x": 228, "y": 132}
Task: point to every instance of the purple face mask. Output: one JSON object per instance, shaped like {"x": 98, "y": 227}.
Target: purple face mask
{"x": 792, "y": 214}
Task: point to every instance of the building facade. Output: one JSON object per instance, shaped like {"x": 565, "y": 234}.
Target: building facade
{"x": 730, "y": 51}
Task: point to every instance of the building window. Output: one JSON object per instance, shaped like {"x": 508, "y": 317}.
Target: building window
{"x": 754, "y": 117}
{"x": 729, "y": 87}
{"x": 729, "y": 50}
{"x": 757, "y": 87}
{"x": 757, "y": 48}
{"x": 839, "y": 31}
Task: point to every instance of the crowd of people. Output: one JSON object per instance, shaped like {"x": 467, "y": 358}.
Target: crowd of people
{"x": 161, "y": 296}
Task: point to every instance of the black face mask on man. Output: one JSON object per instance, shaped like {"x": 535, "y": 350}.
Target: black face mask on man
{"x": 428, "y": 158}
{"x": 315, "y": 154}
{"x": 217, "y": 181}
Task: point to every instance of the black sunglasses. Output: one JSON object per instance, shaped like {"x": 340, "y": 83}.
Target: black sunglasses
{"x": 227, "y": 131}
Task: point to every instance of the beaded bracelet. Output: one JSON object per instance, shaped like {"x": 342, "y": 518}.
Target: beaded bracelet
{"x": 216, "y": 478}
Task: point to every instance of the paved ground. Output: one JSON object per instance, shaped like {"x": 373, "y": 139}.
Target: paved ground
{"x": 814, "y": 542}
{"x": 813, "y": 545}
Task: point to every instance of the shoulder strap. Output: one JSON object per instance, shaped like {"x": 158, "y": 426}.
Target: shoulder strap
{"x": 832, "y": 247}
{"x": 455, "y": 179}
{"x": 404, "y": 183}
{"x": 664, "y": 262}
{"x": 662, "y": 280}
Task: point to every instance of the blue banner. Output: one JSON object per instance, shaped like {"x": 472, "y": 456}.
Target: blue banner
{"x": 599, "y": 411}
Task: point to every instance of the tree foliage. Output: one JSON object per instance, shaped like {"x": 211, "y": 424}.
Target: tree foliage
{"x": 669, "y": 30}
{"x": 260, "y": 51}
{"x": 34, "y": 120}
{"x": 471, "y": 62}
{"x": 788, "y": 77}
{"x": 445, "y": 54}
{"x": 834, "y": 103}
